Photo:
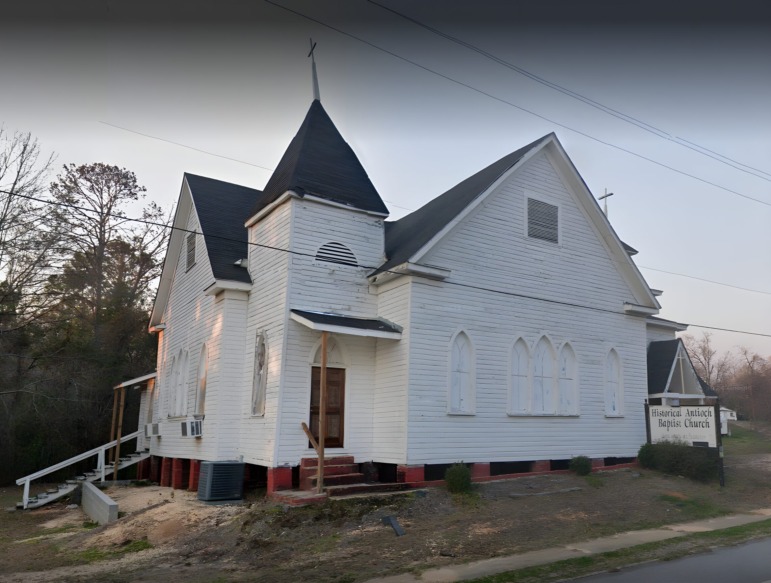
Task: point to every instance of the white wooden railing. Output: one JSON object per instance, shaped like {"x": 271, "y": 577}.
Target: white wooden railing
{"x": 100, "y": 464}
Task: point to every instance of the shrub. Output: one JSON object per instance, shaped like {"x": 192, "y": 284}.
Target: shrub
{"x": 697, "y": 463}
{"x": 458, "y": 478}
{"x": 581, "y": 465}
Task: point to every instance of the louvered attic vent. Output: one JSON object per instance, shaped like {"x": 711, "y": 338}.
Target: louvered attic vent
{"x": 336, "y": 253}
{"x": 542, "y": 220}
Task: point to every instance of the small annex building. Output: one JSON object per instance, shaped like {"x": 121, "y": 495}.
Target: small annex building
{"x": 503, "y": 324}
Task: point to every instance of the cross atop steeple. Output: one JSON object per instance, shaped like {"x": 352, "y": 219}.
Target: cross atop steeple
{"x": 313, "y": 68}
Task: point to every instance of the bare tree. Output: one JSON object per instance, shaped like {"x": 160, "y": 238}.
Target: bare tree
{"x": 29, "y": 241}
{"x": 715, "y": 369}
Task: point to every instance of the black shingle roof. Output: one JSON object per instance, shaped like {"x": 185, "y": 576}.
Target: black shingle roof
{"x": 348, "y": 321}
{"x": 220, "y": 207}
{"x": 661, "y": 355}
{"x": 403, "y": 238}
{"x": 319, "y": 161}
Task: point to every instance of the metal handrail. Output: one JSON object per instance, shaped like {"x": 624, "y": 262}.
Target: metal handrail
{"x": 99, "y": 451}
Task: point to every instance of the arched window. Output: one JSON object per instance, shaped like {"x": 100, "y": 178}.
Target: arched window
{"x": 203, "y": 371}
{"x": 461, "y": 375}
{"x": 336, "y": 253}
{"x": 180, "y": 386}
{"x": 170, "y": 389}
{"x": 568, "y": 381}
{"x": 260, "y": 373}
{"x": 614, "y": 394}
{"x": 543, "y": 377}
{"x": 520, "y": 378}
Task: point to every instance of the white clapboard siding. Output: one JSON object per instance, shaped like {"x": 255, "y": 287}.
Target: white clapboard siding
{"x": 266, "y": 313}
{"x": 659, "y": 333}
{"x": 490, "y": 249}
{"x": 392, "y": 363}
{"x": 190, "y": 318}
{"x": 329, "y": 287}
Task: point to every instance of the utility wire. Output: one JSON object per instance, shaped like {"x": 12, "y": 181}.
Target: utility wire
{"x": 757, "y": 291}
{"x": 185, "y": 146}
{"x": 370, "y": 267}
{"x": 758, "y": 173}
{"x": 521, "y": 108}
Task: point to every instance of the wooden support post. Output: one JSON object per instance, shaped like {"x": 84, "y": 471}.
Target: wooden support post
{"x": 322, "y": 411}
{"x": 114, "y": 416}
{"x": 116, "y": 462}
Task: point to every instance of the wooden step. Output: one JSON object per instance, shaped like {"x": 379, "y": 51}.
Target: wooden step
{"x": 308, "y": 462}
{"x": 338, "y": 480}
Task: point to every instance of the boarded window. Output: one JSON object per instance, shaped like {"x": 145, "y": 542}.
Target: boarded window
{"x": 520, "y": 378}
{"x": 613, "y": 385}
{"x": 203, "y": 371}
{"x": 190, "y": 250}
{"x": 461, "y": 375}
{"x": 336, "y": 253}
{"x": 568, "y": 382}
{"x": 260, "y": 373}
{"x": 542, "y": 220}
{"x": 544, "y": 377}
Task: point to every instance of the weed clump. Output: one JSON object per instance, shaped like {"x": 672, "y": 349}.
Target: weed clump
{"x": 458, "y": 478}
{"x": 581, "y": 465}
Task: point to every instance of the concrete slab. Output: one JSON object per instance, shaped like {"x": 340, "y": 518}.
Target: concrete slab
{"x": 624, "y": 540}
{"x": 718, "y": 523}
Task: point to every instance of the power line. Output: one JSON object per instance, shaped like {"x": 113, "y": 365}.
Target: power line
{"x": 370, "y": 267}
{"x": 757, "y": 291}
{"x": 521, "y": 108}
{"x": 587, "y": 100}
{"x": 185, "y": 146}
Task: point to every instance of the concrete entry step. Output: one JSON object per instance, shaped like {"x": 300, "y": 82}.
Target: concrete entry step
{"x": 338, "y": 479}
{"x": 362, "y": 488}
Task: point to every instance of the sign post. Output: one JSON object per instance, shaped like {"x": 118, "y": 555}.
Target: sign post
{"x": 697, "y": 426}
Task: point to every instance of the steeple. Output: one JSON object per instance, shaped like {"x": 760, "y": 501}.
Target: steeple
{"x": 316, "y": 96}
{"x": 320, "y": 163}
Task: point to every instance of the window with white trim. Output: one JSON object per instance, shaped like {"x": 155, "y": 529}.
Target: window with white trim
{"x": 180, "y": 386}
{"x": 614, "y": 393}
{"x": 542, "y": 220}
{"x": 568, "y": 381}
{"x": 519, "y": 401}
{"x": 259, "y": 377}
{"x": 170, "y": 392}
{"x": 203, "y": 372}
{"x": 461, "y": 393}
{"x": 544, "y": 378}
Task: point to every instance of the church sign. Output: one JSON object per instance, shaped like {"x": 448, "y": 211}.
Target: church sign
{"x": 697, "y": 426}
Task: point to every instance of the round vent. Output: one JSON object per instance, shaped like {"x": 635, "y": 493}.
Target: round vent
{"x": 336, "y": 253}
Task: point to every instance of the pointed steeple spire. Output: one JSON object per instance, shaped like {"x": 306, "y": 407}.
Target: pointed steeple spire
{"x": 313, "y": 71}
{"x": 320, "y": 163}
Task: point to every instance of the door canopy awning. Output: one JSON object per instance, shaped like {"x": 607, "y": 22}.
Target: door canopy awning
{"x": 351, "y": 325}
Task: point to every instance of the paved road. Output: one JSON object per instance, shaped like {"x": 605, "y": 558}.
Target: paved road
{"x": 747, "y": 563}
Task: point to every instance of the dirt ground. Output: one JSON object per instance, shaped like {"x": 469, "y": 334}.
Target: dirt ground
{"x": 167, "y": 535}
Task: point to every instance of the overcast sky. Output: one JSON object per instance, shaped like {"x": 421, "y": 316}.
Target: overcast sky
{"x": 423, "y": 113}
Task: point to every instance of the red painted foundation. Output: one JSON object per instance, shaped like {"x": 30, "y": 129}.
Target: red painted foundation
{"x": 165, "y": 472}
{"x": 480, "y": 470}
{"x": 180, "y": 473}
{"x": 410, "y": 473}
{"x": 541, "y": 466}
{"x": 195, "y": 474}
{"x": 279, "y": 479}
{"x": 598, "y": 463}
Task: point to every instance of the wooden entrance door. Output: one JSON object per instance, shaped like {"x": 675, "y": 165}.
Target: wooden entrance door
{"x": 335, "y": 405}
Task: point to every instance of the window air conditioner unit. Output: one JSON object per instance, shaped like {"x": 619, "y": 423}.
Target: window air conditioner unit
{"x": 152, "y": 429}
{"x": 192, "y": 428}
{"x": 221, "y": 481}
